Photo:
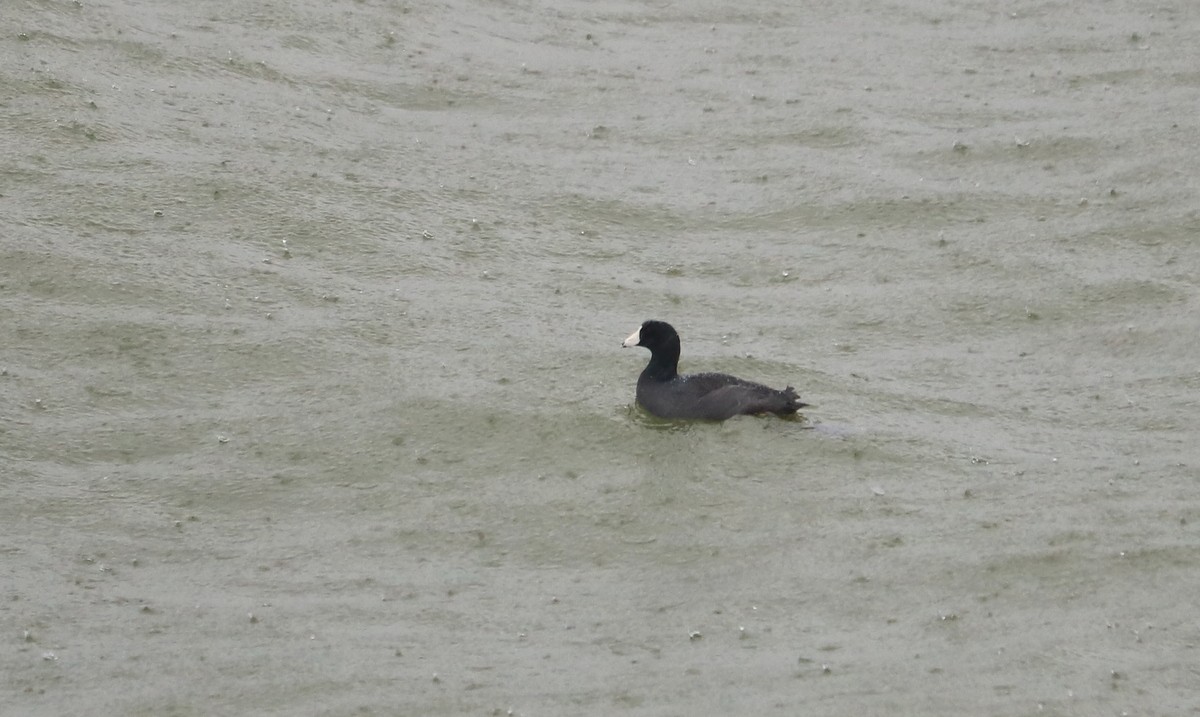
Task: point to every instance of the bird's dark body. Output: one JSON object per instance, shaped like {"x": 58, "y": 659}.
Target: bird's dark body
{"x": 666, "y": 393}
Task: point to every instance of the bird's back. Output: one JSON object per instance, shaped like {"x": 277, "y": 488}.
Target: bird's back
{"x": 713, "y": 397}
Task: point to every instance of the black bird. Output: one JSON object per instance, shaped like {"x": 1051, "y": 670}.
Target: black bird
{"x": 663, "y": 391}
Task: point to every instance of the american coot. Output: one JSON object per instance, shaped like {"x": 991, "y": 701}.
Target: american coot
{"x": 661, "y": 390}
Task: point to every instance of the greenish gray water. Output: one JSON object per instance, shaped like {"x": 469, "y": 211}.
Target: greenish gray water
{"x": 312, "y": 400}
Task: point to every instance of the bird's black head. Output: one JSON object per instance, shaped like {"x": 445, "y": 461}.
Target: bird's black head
{"x": 663, "y": 342}
{"x": 653, "y": 335}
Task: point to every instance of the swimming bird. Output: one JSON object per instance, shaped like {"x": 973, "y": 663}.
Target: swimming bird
{"x": 666, "y": 393}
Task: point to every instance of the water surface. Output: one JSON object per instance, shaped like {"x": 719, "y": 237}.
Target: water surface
{"x": 312, "y": 400}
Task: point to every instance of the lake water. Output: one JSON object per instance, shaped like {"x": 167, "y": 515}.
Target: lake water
{"x": 312, "y": 400}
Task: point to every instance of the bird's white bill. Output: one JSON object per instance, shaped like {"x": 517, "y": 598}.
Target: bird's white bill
{"x": 634, "y": 339}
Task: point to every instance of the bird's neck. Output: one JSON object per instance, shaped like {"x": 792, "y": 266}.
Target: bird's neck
{"x": 664, "y": 363}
